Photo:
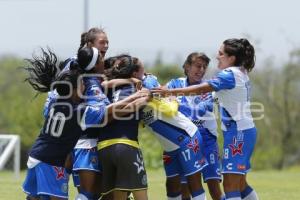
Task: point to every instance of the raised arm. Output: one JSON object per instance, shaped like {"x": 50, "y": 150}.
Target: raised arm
{"x": 117, "y": 82}
{"x": 187, "y": 91}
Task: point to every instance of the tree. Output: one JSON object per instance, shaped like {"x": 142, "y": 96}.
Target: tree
{"x": 278, "y": 90}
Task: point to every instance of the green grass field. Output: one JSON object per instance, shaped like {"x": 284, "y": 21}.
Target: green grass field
{"x": 270, "y": 185}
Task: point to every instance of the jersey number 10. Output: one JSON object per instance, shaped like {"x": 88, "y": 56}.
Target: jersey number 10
{"x": 55, "y": 123}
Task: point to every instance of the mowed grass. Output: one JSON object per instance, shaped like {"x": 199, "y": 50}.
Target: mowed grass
{"x": 270, "y": 185}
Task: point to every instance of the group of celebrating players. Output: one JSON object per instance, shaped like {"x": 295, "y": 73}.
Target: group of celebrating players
{"x": 92, "y": 116}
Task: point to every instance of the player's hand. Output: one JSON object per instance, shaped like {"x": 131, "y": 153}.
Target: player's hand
{"x": 138, "y": 83}
{"x": 143, "y": 93}
{"x": 161, "y": 91}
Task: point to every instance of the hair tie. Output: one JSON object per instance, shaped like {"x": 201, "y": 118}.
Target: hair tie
{"x": 94, "y": 59}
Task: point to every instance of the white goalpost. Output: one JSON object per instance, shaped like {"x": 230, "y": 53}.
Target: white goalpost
{"x": 10, "y": 146}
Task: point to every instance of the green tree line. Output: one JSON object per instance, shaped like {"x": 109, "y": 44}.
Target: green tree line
{"x": 276, "y": 88}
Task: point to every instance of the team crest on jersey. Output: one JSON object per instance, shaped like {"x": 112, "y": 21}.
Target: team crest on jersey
{"x": 180, "y": 138}
{"x": 60, "y": 173}
{"x": 194, "y": 145}
{"x": 236, "y": 147}
{"x": 64, "y": 188}
{"x": 94, "y": 160}
{"x": 167, "y": 159}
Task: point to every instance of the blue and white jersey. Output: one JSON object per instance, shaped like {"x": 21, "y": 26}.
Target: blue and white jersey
{"x": 199, "y": 109}
{"x": 170, "y": 131}
{"x": 232, "y": 88}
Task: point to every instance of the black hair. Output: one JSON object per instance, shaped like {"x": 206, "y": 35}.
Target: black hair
{"x": 192, "y": 57}
{"x": 90, "y": 36}
{"x": 45, "y": 70}
{"x": 123, "y": 66}
{"x": 109, "y": 62}
{"x": 84, "y": 57}
{"x": 242, "y": 50}
{"x": 66, "y": 81}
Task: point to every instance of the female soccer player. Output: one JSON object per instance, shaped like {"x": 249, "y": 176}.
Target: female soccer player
{"x": 46, "y": 178}
{"x": 232, "y": 85}
{"x": 119, "y": 153}
{"x": 84, "y": 159}
{"x": 179, "y": 138}
{"x": 199, "y": 109}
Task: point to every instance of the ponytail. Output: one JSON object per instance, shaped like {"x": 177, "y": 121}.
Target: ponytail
{"x": 242, "y": 50}
{"x": 42, "y": 70}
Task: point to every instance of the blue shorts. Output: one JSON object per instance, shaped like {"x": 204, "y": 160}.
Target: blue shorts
{"x": 84, "y": 159}
{"x": 186, "y": 160}
{"x": 238, "y": 148}
{"x": 46, "y": 180}
{"x": 211, "y": 153}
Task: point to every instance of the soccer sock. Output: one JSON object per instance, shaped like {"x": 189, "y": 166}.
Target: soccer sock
{"x": 199, "y": 195}
{"x": 84, "y": 195}
{"x": 249, "y": 194}
{"x": 174, "y": 196}
{"x": 235, "y": 195}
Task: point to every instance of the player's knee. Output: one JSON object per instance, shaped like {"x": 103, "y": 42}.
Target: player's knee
{"x": 173, "y": 184}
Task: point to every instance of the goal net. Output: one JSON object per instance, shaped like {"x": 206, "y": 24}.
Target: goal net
{"x": 10, "y": 152}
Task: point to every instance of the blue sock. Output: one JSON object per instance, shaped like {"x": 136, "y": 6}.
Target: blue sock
{"x": 89, "y": 195}
{"x": 246, "y": 191}
{"x": 200, "y": 194}
{"x": 235, "y": 195}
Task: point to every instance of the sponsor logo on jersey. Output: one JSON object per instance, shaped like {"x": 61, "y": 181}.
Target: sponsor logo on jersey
{"x": 241, "y": 167}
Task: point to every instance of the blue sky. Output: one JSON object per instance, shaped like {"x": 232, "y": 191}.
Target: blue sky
{"x": 142, "y": 28}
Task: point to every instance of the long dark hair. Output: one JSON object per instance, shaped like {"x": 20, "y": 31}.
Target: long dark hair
{"x": 122, "y": 66}
{"x": 44, "y": 72}
{"x": 242, "y": 50}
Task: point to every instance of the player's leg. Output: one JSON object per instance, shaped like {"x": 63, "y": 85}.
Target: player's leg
{"x": 192, "y": 162}
{"x": 172, "y": 170}
{"x": 247, "y": 192}
{"x": 119, "y": 195}
{"x": 185, "y": 191}
{"x": 86, "y": 165}
{"x": 212, "y": 172}
{"x": 140, "y": 195}
{"x": 238, "y": 148}
{"x": 215, "y": 189}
